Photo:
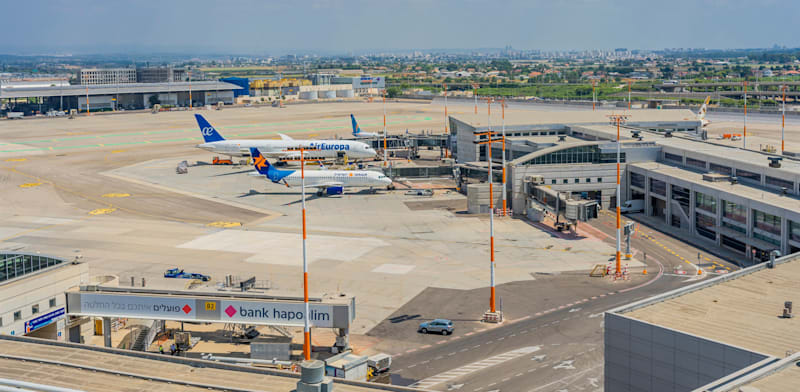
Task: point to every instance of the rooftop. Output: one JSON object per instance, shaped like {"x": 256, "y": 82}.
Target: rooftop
{"x": 534, "y": 117}
{"x": 760, "y": 195}
{"x": 110, "y": 89}
{"x": 740, "y": 310}
{"x": 100, "y": 369}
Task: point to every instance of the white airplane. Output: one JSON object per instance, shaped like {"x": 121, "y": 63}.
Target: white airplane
{"x": 330, "y": 181}
{"x": 286, "y": 148}
{"x": 357, "y": 132}
{"x": 701, "y": 114}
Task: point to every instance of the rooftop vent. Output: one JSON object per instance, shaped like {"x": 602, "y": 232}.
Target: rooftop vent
{"x": 734, "y": 180}
{"x": 787, "y": 309}
{"x": 562, "y": 138}
{"x": 668, "y": 134}
{"x": 715, "y": 177}
{"x": 774, "y": 161}
{"x": 636, "y": 134}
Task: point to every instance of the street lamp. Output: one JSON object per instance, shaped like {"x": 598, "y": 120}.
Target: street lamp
{"x": 618, "y": 118}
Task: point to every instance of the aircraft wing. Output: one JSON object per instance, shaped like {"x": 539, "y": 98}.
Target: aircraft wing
{"x": 285, "y": 137}
{"x": 325, "y": 185}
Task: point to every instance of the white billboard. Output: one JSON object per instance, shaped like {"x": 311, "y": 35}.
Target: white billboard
{"x": 208, "y": 309}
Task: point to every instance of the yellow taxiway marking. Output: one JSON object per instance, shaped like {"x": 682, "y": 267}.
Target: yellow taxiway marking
{"x": 117, "y": 195}
{"x": 117, "y": 151}
{"x": 16, "y": 159}
{"x": 223, "y": 224}
{"x": 30, "y": 185}
{"x": 102, "y": 211}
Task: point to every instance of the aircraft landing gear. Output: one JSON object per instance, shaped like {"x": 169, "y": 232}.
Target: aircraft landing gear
{"x": 390, "y": 187}
{"x": 319, "y": 193}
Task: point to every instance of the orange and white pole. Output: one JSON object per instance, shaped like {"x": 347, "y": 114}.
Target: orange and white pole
{"x": 88, "y": 113}
{"x": 445, "y": 107}
{"x": 619, "y": 196}
{"x": 503, "y": 107}
{"x": 594, "y": 97}
{"x": 306, "y": 329}
{"x": 492, "y": 307}
{"x": 475, "y": 94}
{"x": 385, "y": 159}
{"x": 783, "y": 117}
{"x": 629, "y": 95}
{"x": 744, "y": 134}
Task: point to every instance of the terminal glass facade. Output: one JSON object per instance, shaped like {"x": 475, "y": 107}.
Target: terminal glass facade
{"x": 745, "y": 175}
{"x": 705, "y": 202}
{"x": 15, "y": 265}
{"x": 681, "y": 195}
{"x": 734, "y": 211}
{"x": 794, "y": 231}
{"x": 673, "y": 158}
{"x": 720, "y": 169}
{"x": 637, "y": 180}
{"x": 658, "y": 187}
{"x": 705, "y": 226}
{"x": 583, "y": 154}
{"x": 696, "y": 163}
{"x": 767, "y": 222}
{"x": 779, "y": 182}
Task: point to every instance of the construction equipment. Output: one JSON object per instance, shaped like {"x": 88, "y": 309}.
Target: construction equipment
{"x": 182, "y": 168}
{"x": 217, "y": 161}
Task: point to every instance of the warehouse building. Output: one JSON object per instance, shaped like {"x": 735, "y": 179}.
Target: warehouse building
{"x": 730, "y": 333}
{"x": 130, "y": 96}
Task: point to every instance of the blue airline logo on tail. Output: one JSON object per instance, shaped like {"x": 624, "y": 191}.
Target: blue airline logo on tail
{"x": 263, "y": 167}
{"x": 210, "y": 134}
{"x": 356, "y": 128}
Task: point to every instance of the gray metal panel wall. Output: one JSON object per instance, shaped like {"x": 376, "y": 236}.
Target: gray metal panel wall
{"x": 644, "y": 357}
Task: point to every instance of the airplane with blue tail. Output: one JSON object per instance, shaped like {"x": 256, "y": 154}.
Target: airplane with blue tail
{"x": 286, "y": 148}
{"x": 330, "y": 181}
{"x": 357, "y": 132}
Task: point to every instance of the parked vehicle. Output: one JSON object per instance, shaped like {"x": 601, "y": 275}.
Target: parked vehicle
{"x": 632, "y": 206}
{"x": 379, "y": 362}
{"x": 443, "y": 326}
{"x": 181, "y": 274}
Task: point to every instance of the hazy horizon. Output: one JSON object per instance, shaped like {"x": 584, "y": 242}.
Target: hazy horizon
{"x": 252, "y": 27}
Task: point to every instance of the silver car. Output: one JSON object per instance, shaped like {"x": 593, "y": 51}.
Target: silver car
{"x": 443, "y": 326}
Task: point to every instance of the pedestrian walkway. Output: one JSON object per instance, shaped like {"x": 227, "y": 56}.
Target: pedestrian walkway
{"x": 473, "y": 367}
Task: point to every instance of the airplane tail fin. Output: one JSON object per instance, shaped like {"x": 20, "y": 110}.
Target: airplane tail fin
{"x": 261, "y": 164}
{"x": 701, "y": 114}
{"x": 209, "y": 133}
{"x": 356, "y": 128}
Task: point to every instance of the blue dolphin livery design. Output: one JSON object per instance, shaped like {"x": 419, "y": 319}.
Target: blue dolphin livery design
{"x": 286, "y": 148}
{"x": 357, "y": 132}
{"x": 263, "y": 167}
{"x": 322, "y": 180}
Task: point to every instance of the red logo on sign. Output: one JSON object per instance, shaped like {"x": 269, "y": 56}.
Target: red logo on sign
{"x": 230, "y": 310}
{"x": 186, "y": 309}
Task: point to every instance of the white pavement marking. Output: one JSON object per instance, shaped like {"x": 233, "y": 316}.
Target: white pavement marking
{"x": 594, "y": 382}
{"x": 475, "y": 366}
{"x": 576, "y": 375}
{"x": 565, "y": 365}
{"x": 595, "y": 315}
{"x": 575, "y": 310}
{"x": 539, "y": 358}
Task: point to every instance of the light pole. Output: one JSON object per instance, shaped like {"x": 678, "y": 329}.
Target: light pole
{"x": 489, "y": 141}
{"x": 503, "y": 110}
{"x": 744, "y": 134}
{"x": 445, "y": 107}
{"x": 594, "y": 96}
{"x": 783, "y": 116}
{"x": 475, "y": 95}
{"x": 618, "y": 118}
{"x": 385, "y": 159}
{"x": 629, "y": 95}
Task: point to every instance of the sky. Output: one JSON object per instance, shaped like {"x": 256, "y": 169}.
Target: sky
{"x": 266, "y": 27}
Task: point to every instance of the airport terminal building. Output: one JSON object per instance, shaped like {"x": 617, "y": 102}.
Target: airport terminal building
{"x": 720, "y": 195}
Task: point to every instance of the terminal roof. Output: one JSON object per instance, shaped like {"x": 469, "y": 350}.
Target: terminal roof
{"x": 545, "y": 116}
{"x": 742, "y": 312}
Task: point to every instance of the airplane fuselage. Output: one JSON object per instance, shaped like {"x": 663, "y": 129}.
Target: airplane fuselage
{"x": 324, "y": 149}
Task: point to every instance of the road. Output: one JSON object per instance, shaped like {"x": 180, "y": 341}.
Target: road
{"x": 552, "y": 349}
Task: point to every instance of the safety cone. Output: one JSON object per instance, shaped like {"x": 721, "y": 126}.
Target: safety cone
{"x": 644, "y": 272}
{"x": 699, "y": 271}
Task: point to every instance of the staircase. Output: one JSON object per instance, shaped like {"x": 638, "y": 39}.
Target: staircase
{"x": 282, "y": 330}
{"x": 139, "y": 344}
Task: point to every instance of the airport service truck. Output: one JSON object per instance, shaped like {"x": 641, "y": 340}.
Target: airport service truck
{"x": 632, "y": 206}
{"x": 15, "y": 115}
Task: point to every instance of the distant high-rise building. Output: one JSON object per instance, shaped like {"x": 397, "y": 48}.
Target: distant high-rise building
{"x": 108, "y": 76}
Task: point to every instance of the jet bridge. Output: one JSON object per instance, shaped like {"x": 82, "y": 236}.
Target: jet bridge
{"x": 543, "y": 200}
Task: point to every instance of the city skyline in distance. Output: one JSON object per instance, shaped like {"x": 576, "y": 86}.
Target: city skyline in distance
{"x": 341, "y": 27}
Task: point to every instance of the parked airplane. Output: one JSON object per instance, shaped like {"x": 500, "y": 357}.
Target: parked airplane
{"x": 701, "y": 115}
{"x": 330, "y": 181}
{"x": 281, "y": 149}
{"x": 357, "y": 132}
